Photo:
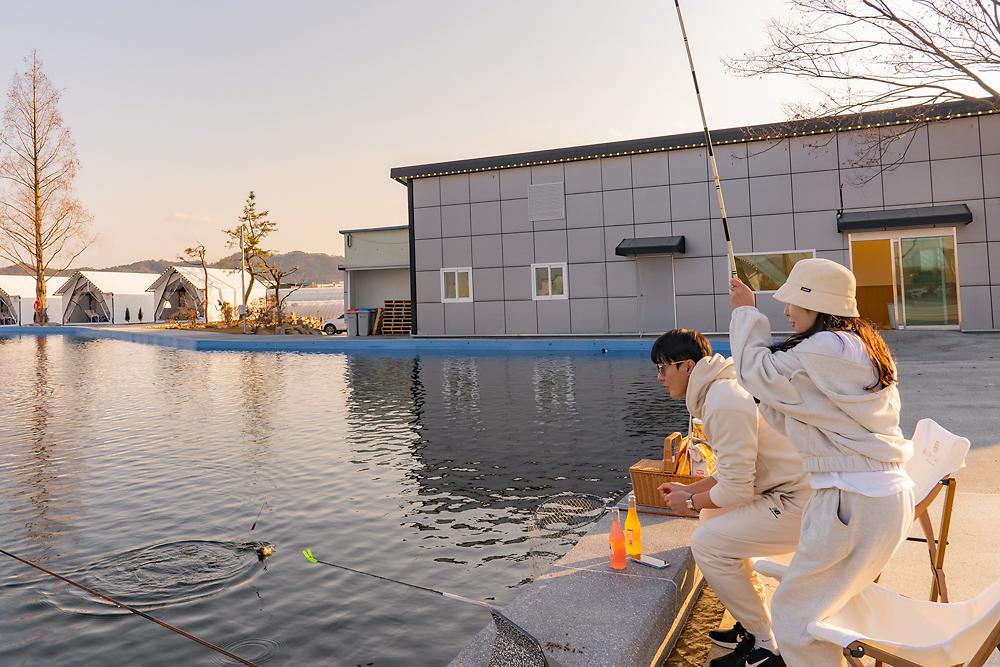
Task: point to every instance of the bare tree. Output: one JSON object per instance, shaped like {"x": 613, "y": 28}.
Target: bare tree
{"x": 254, "y": 227}
{"x": 875, "y": 54}
{"x": 871, "y": 55}
{"x": 272, "y": 275}
{"x": 43, "y": 227}
{"x": 196, "y": 255}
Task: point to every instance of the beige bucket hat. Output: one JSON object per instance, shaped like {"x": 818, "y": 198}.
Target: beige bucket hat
{"x": 821, "y": 285}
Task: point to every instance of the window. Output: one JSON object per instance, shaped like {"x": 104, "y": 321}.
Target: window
{"x": 767, "y": 271}
{"x": 549, "y": 281}
{"x": 456, "y": 284}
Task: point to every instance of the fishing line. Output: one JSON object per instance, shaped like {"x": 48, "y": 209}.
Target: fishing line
{"x": 122, "y": 605}
{"x": 258, "y": 516}
{"x": 513, "y": 646}
{"x": 451, "y": 596}
{"x": 708, "y": 143}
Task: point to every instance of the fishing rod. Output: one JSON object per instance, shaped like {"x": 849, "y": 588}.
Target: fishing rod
{"x": 708, "y": 143}
{"x": 451, "y": 596}
{"x": 122, "y": 605}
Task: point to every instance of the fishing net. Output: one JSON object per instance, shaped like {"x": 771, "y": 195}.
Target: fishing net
{"x": 557, "y": 524}
{"x": 567, "y": 513}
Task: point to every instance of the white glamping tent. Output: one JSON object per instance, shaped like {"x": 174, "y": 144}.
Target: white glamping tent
{"x": 105, "y": 296}
{"x": 17, "y": 300}
{"x": 183, "y": 287}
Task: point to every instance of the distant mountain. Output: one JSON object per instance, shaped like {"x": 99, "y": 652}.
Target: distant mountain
{"x": 143, "y": 266}
{"x": 314, "y": 267}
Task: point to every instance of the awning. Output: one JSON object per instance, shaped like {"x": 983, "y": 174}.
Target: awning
{"x": 923, "y": 216}
{"x": 653, "y": 245}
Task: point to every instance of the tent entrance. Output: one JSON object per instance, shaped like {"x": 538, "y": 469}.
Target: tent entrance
{"x": 9, "y": 314}
{"x": 177, "y": 295}
{"x": 87, "y": 306}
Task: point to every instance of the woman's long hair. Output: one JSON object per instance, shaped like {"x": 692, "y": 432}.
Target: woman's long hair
{"x": 881, "y": 358}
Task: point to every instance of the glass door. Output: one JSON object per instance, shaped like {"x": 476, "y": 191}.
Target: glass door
{"x": 907, "y": 278}
{"x": 929, "y": 283}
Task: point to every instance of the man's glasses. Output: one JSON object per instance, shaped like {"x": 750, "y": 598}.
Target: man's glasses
{"x": 661, "y": 369}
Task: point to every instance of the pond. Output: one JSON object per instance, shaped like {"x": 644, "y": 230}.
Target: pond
{"x": 140, "y": 470}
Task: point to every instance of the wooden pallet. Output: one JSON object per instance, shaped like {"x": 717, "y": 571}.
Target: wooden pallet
{"x": 395, "y": 320}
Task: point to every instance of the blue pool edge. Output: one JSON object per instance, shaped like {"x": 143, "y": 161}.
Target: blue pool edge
{"x": 198, "y": 341}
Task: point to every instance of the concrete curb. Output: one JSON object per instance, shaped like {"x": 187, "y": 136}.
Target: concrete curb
{"x": 587, "y": 615}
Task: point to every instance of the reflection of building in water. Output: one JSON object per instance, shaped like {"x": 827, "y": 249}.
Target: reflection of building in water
{"x": 553, "y": 381}
{"x": 263, "y": 382}
{"x": 383, "y": 399}
{"x": 460, "y": 384}
{"x": 535, "y": 426}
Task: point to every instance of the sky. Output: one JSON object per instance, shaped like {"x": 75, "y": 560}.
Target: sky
{"x": 179, "y": 109}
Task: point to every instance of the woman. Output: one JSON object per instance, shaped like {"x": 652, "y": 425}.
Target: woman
{"x": 831, "y": 389}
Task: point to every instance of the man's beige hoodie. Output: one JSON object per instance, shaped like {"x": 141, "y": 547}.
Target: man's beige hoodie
{"x": 818, "y": 399}
{"x": 753, "y": 458}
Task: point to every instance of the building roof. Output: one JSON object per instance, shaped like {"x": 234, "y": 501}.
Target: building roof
{"x": 112, "y": 282}
{"x": 24, "y": 286}
{"x": 374, "y": 229}
{"x": 733, "y": 135}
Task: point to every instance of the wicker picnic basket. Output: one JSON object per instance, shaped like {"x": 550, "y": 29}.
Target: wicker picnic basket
{"x": 648, "y": 474}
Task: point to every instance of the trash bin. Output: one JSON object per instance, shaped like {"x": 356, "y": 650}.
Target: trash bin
{"x": 351, "y": 319}
{"x": 364, "y": 322}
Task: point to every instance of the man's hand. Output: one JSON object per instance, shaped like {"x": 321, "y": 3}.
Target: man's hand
{"x": 675, "y": 495}
{"x": 668, "y": 488}
{"x": 740, "y": 294}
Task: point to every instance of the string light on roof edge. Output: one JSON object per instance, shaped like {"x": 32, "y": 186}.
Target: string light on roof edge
{"x": 849, "y": 128}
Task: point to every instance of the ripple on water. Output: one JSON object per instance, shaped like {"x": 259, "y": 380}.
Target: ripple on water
{"x": 161, "y": 575}
{"x": 257, "y": 651}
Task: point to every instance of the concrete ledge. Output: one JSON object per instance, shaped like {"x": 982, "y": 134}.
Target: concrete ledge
{"x": 201, "y": 341}
{"x": 587, "y": 615}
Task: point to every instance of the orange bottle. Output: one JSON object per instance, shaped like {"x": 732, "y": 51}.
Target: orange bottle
{"x": 617, "y": 539}
{"x": 633, "y": 531}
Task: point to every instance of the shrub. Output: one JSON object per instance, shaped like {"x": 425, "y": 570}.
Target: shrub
{"x": 228, "y": 313}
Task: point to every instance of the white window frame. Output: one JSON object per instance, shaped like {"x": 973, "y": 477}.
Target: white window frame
{"x": 776, "y": 252}
{"x": 550, "y": 297}
{"x": 456, "y": 270}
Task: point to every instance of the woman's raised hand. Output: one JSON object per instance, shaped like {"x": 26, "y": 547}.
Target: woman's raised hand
{"x": 740, "y": 294}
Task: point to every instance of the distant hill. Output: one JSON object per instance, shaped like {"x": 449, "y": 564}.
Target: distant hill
{"x": 314, "y": 267}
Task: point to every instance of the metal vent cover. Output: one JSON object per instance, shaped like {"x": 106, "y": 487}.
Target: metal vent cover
{"x": 545, "y": 202}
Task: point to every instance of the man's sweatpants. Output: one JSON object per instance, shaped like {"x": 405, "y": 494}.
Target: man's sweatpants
{"x": 847, "y": 539}
{"x": 725, "y": 541}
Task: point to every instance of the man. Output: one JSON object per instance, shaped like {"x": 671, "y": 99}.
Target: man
{"x": 752, "y": 505}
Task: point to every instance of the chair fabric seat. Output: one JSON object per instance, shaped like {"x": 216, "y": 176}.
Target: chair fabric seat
{"x": 932, "y": 634}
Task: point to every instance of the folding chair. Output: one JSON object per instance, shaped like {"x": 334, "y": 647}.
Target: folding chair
{"x": 896, "y": 630}
{"x": 937, "y": 455}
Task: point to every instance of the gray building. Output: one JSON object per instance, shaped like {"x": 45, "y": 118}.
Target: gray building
{"x": 625, "y": 237}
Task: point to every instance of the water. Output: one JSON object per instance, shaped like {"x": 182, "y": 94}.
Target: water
{"x": 139, "y": 470}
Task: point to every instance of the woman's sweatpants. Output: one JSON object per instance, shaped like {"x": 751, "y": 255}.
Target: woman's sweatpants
{"x": 847, "y": 539}
{"x": 724, "y": 542}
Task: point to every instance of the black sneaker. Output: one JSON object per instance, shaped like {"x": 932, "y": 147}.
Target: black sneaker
{"x": 728, "y": 638}
{"x": 739, "y": 655}
{"x": 761, "y": 657}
